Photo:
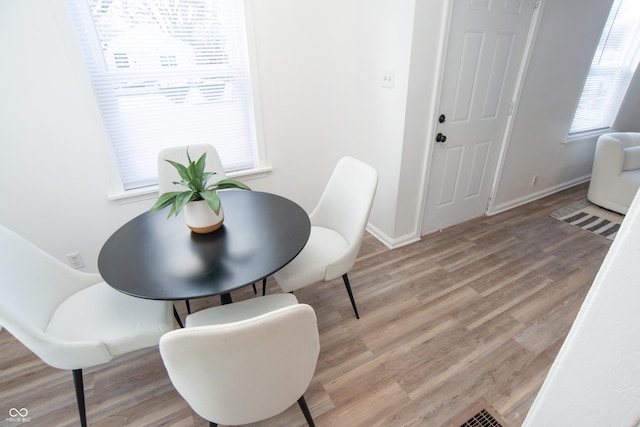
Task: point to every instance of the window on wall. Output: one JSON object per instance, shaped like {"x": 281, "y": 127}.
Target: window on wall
{"x": 166, "y": 73}
{"x": 614, "y": 63}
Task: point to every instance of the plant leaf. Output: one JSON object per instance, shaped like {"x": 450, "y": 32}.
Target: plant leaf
{"x": 231, "y": 183}
{"x": 164, "y": 200}
{"x": 191, "y": 170}
{"x": 213, "y": 200}
{"x": 180, "y": 201}
{"x": 183, "y": 183}
{"x": 206, "y": 176}
{"x": 182, "y": 170}
{"x": 199, "y": 165}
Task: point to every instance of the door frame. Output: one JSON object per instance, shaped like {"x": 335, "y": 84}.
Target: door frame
{"x": 435, "y": 102}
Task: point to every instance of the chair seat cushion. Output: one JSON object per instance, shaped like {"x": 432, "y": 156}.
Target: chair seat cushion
{"x": 323, "y": 247}
{"x": 240, "y": 310}
{"x": 122, "y": 322}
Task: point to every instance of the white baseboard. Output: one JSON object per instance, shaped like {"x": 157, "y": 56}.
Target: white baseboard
{"x": 407, "y": 239}
{"x": 388, "y": 241}
{"x": 535, "y": 196}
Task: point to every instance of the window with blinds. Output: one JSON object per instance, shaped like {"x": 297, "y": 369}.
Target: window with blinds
{"x": 166, "y": 73}
{"x": 614, "y": 63}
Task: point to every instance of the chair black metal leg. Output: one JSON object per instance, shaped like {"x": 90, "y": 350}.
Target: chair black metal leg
{"x": 225, "y": 299}
{"x": 188, "y": 306}
{"x": 79, "y": 384}
{"x": 255, "y": 291}
{"x": 177, "y": 316}
{"x": 305, "y": 411}
{"x": 212, "y": 424}
{"x": 264, "y": 286}
{"x": 353, "y": 301}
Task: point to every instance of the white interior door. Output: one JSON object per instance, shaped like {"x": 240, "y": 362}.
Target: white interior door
{"x": 484, "y": 50}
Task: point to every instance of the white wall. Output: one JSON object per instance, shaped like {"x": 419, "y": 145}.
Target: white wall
{"x": 628, "y": 119}
{"x": 320, "y": 66}
{"x": 567, "y": 34}
{"x": 426, "y": 53}
{"x": 52, "y": 155}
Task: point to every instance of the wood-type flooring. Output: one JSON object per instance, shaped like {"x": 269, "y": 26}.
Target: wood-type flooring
{"x": 475, "y": 312}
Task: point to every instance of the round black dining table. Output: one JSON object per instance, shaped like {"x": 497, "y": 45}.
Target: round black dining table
{"x": 156, "y": 257}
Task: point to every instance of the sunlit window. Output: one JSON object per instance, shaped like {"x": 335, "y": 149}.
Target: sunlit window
{"x": 614, "y": 63}
{"x": 166, "y": 73}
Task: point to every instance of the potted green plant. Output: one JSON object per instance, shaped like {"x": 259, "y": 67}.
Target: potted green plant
{"x": 200, "y": 201}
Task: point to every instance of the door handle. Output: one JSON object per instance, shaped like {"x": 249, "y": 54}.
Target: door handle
{"x": 440, "y": 137}
{"x": 442, "y": 118}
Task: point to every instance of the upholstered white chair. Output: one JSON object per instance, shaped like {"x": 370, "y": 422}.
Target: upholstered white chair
{"x": 244, "y": 362}
{"x": 615, "y": 177}
{"x": 337, "y": 227}
{"x": 71, "y": 319}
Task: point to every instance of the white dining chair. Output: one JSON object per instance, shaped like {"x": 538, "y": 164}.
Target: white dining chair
{"x": 337, "y": 227}
{"x": 244, "y": 362}
{"x": 68, "y": 318}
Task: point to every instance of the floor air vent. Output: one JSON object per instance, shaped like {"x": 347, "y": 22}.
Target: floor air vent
{"x": 481, "y": 414}
{"x": 482, "y": 419}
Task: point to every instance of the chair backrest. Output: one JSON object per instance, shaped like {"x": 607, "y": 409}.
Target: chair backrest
{"x": 245, "y": 371}
{"x": 345, "y": 205}
{"x": 610, "y": 154}
{"x": 167, "y": 174}
{"x": 32, "y": 286}
{"x": 626, "y": 139}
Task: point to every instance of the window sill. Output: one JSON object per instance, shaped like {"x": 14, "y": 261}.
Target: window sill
{"x": 151, "y": 192}
{"x": 586, "y": 136}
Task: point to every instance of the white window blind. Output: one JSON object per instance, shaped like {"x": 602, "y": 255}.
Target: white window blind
{"x": 614, "y": 63}
{"x": 166, "y": 73}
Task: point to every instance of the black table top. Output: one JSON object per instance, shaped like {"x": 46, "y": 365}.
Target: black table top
{"x": 158, "y": 258}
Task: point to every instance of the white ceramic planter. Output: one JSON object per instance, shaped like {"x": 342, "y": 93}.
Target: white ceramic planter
{"x": 201, "y": 218}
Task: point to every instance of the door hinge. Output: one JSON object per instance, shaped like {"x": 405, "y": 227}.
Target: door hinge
{"x": 511, "y": 106}
{"x": 536, "y": 5}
